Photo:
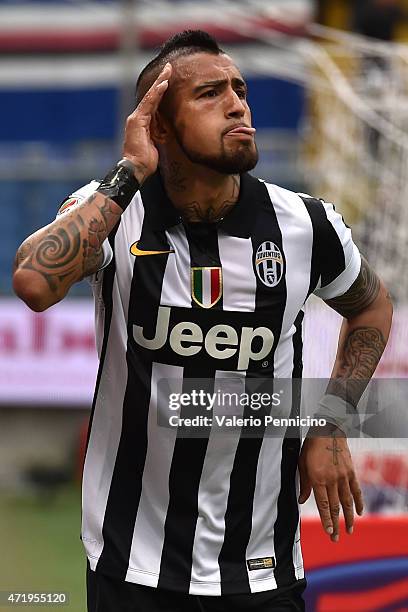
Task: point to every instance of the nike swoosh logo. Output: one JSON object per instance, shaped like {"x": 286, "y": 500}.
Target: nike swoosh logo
{"x": 136, "y": 251}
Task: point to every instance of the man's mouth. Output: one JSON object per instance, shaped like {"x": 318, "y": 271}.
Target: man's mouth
{"x": 240, "y": 129}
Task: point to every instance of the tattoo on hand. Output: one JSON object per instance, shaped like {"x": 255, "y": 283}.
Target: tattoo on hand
{"x": 335, "y": 450}
{"x": 361, "y": 294}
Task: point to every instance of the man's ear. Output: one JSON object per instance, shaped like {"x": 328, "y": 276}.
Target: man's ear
{"x": 159, "y": 128}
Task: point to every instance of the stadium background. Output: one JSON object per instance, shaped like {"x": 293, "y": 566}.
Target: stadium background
{"x": 67, "y": 74}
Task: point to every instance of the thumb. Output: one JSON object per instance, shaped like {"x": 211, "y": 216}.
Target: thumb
{"x": 305, "y": 486}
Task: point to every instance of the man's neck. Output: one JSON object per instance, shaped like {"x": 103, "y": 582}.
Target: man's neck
{"x": 200, "y": 198}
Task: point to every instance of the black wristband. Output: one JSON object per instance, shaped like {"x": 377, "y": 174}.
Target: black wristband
{"x": 120, "y": 184}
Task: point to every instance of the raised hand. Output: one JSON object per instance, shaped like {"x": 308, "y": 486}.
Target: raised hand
{"x": 138, "y": 145}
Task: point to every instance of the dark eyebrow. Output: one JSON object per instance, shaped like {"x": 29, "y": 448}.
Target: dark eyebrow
{"x": 235, "y": 81}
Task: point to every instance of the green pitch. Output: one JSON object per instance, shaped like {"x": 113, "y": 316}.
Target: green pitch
{"x": 41, "y": 549}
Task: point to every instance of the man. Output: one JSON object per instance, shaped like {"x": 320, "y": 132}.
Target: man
{"x": 201, "y": 271}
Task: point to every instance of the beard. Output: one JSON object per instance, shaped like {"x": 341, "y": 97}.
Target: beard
{"x": 243, "y": 159}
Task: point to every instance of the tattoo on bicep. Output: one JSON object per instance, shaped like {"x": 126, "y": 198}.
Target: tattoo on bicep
{"x": 73, "y": 249}
{"x": 55, "y": 255}
{"x": 361, "y": 294}
{"x": 23, "y": 252}
{"x": 361, "y": 353}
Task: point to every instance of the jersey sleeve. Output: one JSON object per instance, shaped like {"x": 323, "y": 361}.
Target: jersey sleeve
{"x": 336, "y": 257}
{"x": 75, "y": 199}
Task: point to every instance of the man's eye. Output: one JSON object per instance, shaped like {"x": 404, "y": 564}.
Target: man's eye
{"x": 241, "y": 93}
{"x": 211, "y": 93}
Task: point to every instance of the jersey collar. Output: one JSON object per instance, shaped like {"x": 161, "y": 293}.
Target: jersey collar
{"x": 161, "y": 214}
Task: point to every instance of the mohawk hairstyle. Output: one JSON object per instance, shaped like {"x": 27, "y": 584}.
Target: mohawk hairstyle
{"x": 181, "y": 44}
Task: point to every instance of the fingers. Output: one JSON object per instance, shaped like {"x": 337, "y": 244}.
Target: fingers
{"x": 323, "y": 506}
{"x": 334, "y": 503}
{"x": 153, "y": 97}
{"x": 335, "y": 487}
{"x": 328, "y": 504}
{"x": 346, "y": 501}
{"x": 305, "y": 486}
{"x": 330, "y": 497}
{"x": 357, "y": 495}
{"x": 304, "y": 494}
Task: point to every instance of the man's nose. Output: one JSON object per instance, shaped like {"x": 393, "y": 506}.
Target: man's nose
{"x": 235, "y": 105}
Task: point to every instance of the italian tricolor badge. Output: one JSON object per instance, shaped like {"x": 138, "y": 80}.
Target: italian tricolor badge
{"x": 206, "y": 286}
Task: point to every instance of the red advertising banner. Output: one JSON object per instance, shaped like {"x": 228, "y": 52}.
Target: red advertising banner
{"x": 364, "y": 572}
{"x": 50, "y": 358}
{"x": 47, "y": 358}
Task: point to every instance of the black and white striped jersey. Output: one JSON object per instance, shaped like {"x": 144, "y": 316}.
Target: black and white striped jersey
{"x": 216, "y": 514}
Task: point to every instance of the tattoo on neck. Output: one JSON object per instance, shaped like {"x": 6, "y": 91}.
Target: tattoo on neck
{"x": 174, "y": 178}
{"x": 196, "y": 211}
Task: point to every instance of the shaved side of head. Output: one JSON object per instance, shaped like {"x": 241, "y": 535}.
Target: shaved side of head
{"x": 185, "y": 43}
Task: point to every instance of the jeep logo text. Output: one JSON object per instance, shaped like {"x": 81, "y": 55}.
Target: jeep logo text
{"x": 220, "y": 342}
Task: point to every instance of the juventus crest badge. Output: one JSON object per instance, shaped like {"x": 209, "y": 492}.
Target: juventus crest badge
{"x": 206, "y": 286}
{"x": 269, "y": 263}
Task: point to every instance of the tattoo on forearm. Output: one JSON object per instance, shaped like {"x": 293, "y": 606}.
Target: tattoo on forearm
{"x": 72, "y": 248}
{"x": 361, "y": 294}
{"x": 362, "y": 351}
